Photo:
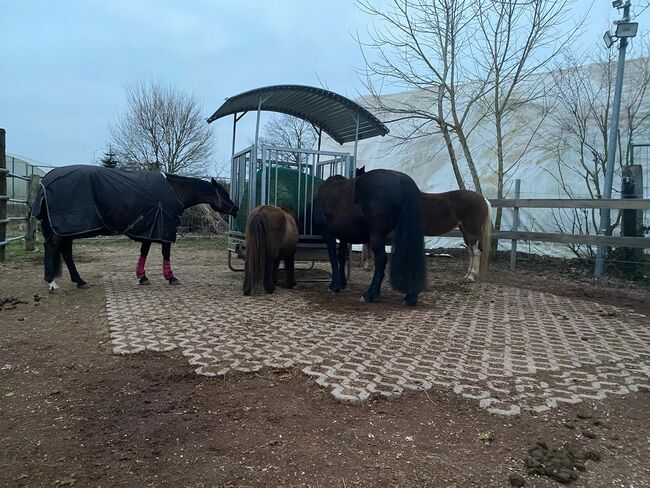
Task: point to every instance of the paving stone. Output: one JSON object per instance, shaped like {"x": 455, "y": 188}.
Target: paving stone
{"x": 508, "y": 349}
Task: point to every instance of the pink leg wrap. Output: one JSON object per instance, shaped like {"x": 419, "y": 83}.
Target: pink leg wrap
{"x": 139, "y": 269}
{"x": 167, "y": 270}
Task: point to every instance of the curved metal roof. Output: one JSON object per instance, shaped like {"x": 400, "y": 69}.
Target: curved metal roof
{"x": 333, "y": 113}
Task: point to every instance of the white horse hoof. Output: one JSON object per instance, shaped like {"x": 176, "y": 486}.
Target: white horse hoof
{"x": 469, "y": 279}
{"x": 52, "y": 286}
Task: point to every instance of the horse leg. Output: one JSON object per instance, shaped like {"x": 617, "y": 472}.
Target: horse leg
{"x": 470, "y": 249}
{"x": 471, "y": 263}
{"x": 276, "y": 267}
{"x": 342, "y": 255}
{"x": 270, "y": 274}
{"x": 475, "y": 262}
{"x": 52, "y": 261}
{"x": 367, "y": 258}
{"x": 289, "y": 272}
{"x": 336, "y": 284}
{"x": 66, "y": 252}
{"x": 140, "y": 272}
{"x": 378, "y": 248}
{"x": 167, "y": 267}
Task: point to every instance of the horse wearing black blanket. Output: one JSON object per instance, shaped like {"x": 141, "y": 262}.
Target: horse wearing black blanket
{"x": 81, "y": 201}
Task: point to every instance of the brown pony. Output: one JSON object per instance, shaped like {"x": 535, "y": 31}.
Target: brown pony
{"x": 271, "y": 236}
{"x": 465, "y": 209}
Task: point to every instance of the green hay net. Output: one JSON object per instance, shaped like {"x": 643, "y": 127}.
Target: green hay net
{"x": 287, "y": 192}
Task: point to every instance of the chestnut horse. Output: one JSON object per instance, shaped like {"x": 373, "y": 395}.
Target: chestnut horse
{"x": 465, "y": 209}
{"x": 271, "y": 236}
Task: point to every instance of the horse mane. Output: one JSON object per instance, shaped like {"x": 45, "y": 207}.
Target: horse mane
{"x": 180, "y": 179}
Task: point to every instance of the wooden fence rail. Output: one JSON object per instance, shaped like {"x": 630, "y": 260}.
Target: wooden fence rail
{"x": 623, "y": 204}
{"x": 562, "y": 238}
{"x": 594, "y": 240}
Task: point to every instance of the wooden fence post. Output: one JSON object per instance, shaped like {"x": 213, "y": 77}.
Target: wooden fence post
{"x": 632, "y": 221}
{"x": 515, "y": 227}
{"x": 3, "y": 193}
{"x": 30, "y": 234}
{"x": 632, "y": 187}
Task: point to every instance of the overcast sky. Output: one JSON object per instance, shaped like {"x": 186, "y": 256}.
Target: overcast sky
{"x": 64, "y": 64}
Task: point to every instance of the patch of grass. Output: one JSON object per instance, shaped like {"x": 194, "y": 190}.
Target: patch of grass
{"x": 15, "y": 251}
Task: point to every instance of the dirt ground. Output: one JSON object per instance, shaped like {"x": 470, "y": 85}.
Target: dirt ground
{"x": 74, "y": 414}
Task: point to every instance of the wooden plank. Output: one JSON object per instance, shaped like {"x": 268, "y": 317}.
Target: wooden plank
{"x": 11, "y": 239}
{"x": 613, "y": 241}
{"x": 12, "y": 219}
{"x": 19, "y": 177}
{"x": 636, "y": 204}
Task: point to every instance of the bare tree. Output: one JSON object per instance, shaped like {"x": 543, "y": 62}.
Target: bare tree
{"x": 163, "y": 128}
{"x": 580, "y": 126}
{"x": 424, "y": 46}
{"x": 286, "y": 131}
{"x": 463, "y": 61}
{"x": 519, "y": 41}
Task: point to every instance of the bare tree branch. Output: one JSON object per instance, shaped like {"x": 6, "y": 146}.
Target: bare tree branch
{"x": 162, "y": 129}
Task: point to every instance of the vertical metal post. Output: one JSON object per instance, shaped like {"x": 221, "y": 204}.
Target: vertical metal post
{"x": 304, "y": 203}
{"x": 315, "y": 159}
{"x": 3, "y": 193}
{"x": 252, "y": 182}
{"x": 265, "y": 153}
{"x": 299, "y": 182}
{"x": 356, "y": 143}
{"x": 257, "y": 125}
{"x": 515, "y": 226}
{"x": 275, "y": 201}
{"x": 231, "y": 219}
{"x": 599, "y": 269}
{"x": 320, "y": 134}
{"x": 234, "y": 133}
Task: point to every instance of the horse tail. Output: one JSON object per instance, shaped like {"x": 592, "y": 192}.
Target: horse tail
{"x": 485, "y": 242}
{"x": 256, "y": 230}
{"x": 408, "y": 267}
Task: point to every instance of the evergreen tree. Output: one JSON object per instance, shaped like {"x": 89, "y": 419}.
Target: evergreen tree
{"x": 110, "y": 159}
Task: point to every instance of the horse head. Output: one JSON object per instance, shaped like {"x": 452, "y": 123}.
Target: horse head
{"x": 360, "y": 171}
{"x": 221, "y": 202}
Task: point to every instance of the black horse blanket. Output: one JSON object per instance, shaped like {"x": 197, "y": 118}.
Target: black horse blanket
{"x": 82, "y": 199}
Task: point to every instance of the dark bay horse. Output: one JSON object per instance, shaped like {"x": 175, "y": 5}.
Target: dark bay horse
{"x": 83, "y": 201}
{"x": 465, "y": 209}
{"x": 271, "y": 236}
{"x": 366, "y": 209}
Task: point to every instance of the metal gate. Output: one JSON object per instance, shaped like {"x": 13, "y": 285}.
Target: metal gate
{"x": 255, "y": 181}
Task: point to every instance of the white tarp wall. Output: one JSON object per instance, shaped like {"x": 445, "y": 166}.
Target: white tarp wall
{"x": 535, "y": 146}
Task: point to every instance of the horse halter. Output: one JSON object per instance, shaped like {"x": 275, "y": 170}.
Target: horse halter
{"x": 221, "y": 203}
